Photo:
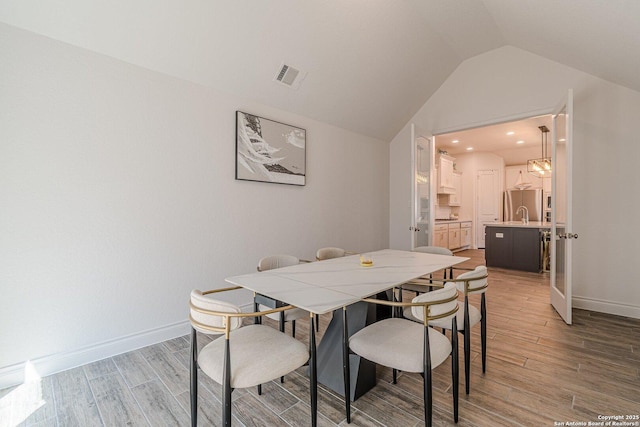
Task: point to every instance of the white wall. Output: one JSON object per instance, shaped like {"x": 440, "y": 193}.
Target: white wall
{"x": 118, "y": 197}
{"x": 510, "y": 83}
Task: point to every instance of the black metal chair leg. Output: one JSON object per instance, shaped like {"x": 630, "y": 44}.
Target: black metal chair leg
{"x": 281, "y": 324}
{"x": 483, "y": 332}
{"x": 293, "y": 328}
{"x": 346, "y": 365}
{"x": 467, "y": 346}
{"x": 226, "y": 396}
{"x": 454, "y": 368}
{"x": 317, "y": 323}
{"x": 256, "y": 307}
{"x": 313, "y": 372}
{"x": 259, "y": 389}
{"x": 426, "y": 379}
{"x": 193, "y": 371}
{"x": 395, "y": 376}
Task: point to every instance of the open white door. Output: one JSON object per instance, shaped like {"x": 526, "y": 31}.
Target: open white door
{"x": 423, "y": 189}
{"x": 561, "y": 223}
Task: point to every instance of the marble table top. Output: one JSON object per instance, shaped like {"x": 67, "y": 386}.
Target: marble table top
{"x": 323, "y": 286}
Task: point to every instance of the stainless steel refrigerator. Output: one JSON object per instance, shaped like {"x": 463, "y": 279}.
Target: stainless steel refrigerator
{"x": 531, "y": 199}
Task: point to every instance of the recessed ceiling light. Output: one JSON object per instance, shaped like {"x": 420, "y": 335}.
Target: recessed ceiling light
{"x": 520, "y": 142}
{"x": 562, "y": 140}
{"x": 455, "y": 141}
{"x": 510, "y": 133}
{"x": 469, "y": 148}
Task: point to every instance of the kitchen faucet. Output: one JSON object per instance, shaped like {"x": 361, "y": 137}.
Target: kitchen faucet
{"x": 525, "y": 214}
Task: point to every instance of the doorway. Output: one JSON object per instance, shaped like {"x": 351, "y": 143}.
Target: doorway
{"x": 491, "y": 159}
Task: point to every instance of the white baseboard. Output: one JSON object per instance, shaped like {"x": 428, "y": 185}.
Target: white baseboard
{"x": 48, "y": 365}
{"x": 609, "y": 307}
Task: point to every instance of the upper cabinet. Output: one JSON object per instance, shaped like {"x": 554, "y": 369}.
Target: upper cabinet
{"x": 454, "y": 199}
{"x": 449, "y": 182}
{"x": 446, "y": 183}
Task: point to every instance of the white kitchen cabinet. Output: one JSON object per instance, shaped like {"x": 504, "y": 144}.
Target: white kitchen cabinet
{"x": 445, "y": 175}
{"x": 454, "y": 199}
{"x": 465, "y": 234}
{"x": 441, "y": 235}
{"x": 454, "y": 236}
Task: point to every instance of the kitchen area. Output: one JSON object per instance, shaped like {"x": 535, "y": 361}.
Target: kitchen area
{"x": 521, "y": 241}
{"x": 494, "y": 196}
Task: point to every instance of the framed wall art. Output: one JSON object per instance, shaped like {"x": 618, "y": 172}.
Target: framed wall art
{"x": 269, "y": 151}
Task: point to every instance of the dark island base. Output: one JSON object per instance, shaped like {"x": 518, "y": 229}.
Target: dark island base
{"x": 514, "y": 248}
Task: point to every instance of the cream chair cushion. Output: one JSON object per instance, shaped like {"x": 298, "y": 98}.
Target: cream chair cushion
{"x": 433, "y": 250}
{"x": 474, "y": 318}
{"x": 398, "y": 343}
{"x": 415, "y": 313}
{"x": 276, "y": 261}
{"x": 448, "y": 291}
{"x": 328, "y": 253}
{"x": 259, "y": 354}
{"x": 202, "y": 301}
{"x": 479, "y": 271}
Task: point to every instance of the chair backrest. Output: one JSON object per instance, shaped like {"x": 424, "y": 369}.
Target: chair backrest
{"x": 449, "y": 291}
{"x": 201, "y": 301}
{"x": 475, "y": 286}
{"x": 277, "y": 261}
{"x": 433, "y": 250}
{"x": 330, "y": 252}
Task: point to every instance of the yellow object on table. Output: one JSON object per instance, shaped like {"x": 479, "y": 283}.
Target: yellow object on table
{"x": 365, "y": 260}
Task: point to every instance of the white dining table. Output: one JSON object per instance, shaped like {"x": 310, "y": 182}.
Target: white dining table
{"x": 326, "y": 286}
{"x": 323, "y": 286}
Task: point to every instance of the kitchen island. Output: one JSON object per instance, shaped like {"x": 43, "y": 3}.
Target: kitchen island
{"x": 516, "y": 245}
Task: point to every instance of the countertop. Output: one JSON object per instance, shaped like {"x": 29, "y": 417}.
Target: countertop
{"x": 450, "y": 221}
{"x": 531, "y": 224}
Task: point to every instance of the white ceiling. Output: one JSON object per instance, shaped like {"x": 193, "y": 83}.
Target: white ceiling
{"x": 516, "y": 141}
{"x": 371, "y": 63}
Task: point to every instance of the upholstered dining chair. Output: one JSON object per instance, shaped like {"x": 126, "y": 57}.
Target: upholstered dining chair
{"x": 279, "y": 261}
{"x": 331, "y": 252}
{"x": 408, "y": 346}
{"x": 242, "y": 356}
{"x": 472, "y": 282}
{"x": 417, "y": 285}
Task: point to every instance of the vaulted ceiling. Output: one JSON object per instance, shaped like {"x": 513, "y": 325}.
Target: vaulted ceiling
{"x": 371, "y": 64}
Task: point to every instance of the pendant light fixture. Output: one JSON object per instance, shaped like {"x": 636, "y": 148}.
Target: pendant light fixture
{"x": 541, "y": 167}
{"x": 520, "y": 183}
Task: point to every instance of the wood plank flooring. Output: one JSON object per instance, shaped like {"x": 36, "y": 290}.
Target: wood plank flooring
{"x": 540, "y": 372}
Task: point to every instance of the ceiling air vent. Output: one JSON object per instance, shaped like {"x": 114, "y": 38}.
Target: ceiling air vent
{"x": 290, "y": 76}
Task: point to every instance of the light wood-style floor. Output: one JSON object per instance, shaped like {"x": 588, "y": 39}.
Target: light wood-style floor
{"x": 540, "y": 371}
